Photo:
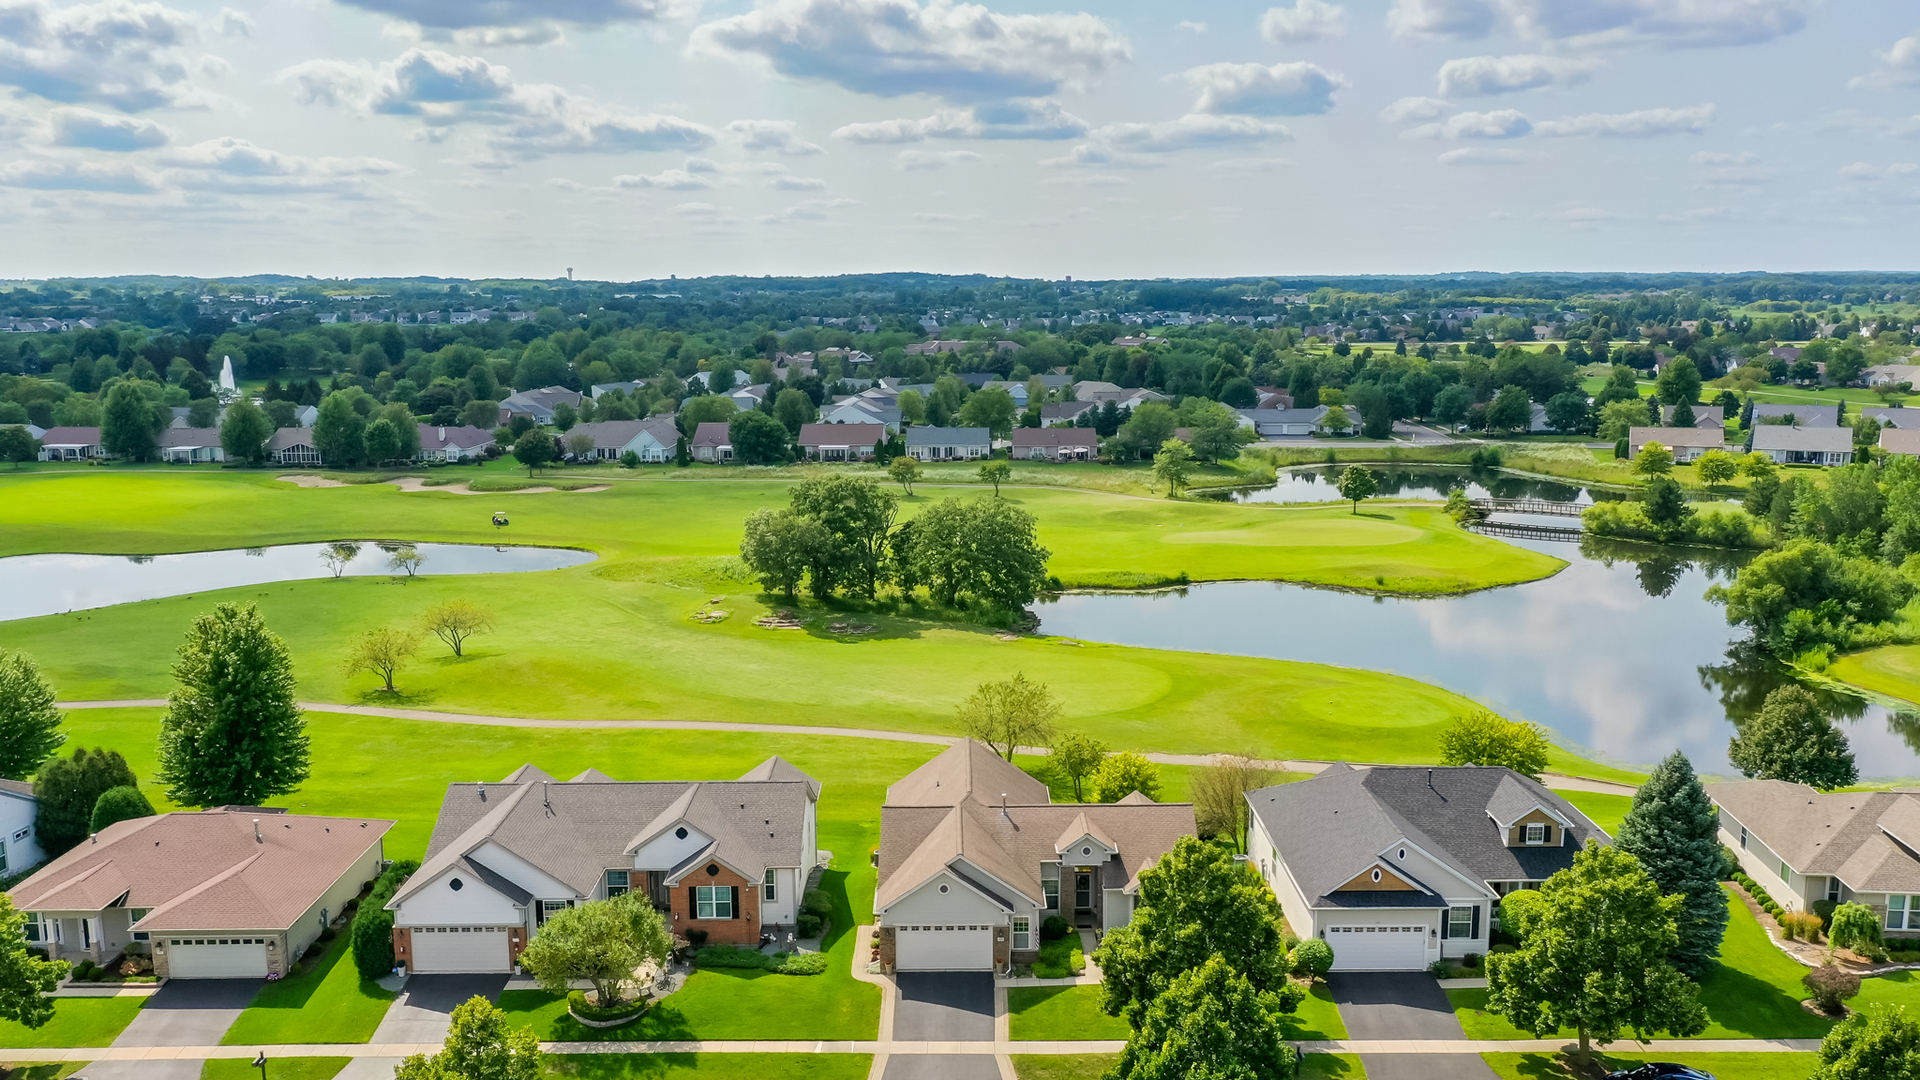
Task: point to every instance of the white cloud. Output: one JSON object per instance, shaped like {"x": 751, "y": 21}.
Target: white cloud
{"x": 1041, "y": 120}
{"x": 1306, "y": 20}
{"x": 1415, "y": 108}
{"x": 1632, "y": 125}
{"x": 697, "y": 210}
{"x": 114, "y": 177}
{"x": 1582, "y": 215}
{"x": 1498, "y": 124}
{"x": 127, "y": 55}
{"x": 778, "y": 136}
{"x": 236, "y": 166}
{"x": 808, "y": 210}
{"x": 522, "y": 121}
{"x": 1717, "y": 159}
{"x": 1190, "y": 26}
{"x": 1250, "y": 165}
{"x": 1479, "y": 76}
{"x": 785, "y": 182}
{"x": 919, "y": 160}
{"x": 1860, "y": 172}
{"x": 960, "y": 51}
{"x": 98, "y": 131}
{"x": 460, "y": 14}
{"x": 1190, "y": 132}
{"x": 1478, "y": 155}
{"x": 1899, "y": 66}
{"x": 1295, "y": 89}
{"x": 671, "y": 180}
{"x": 231, "y": 23}
{"x": 1592, "y": 24}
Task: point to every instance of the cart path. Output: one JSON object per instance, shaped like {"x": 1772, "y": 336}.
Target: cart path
{"x": 1552, "y": 780}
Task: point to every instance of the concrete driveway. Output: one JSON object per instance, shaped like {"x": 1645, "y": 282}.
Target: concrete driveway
{"x": 1403, "y": 1005}
{"x": 158, "y": 1069}
{"x": 944, "y": 1006}
{"x": 424, "y": 1010}
{"x": 941, "y": 1067}
{"x": 190, "y": 1012}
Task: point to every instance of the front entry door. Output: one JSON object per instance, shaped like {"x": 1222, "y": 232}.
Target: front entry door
{"x": 1082, "y": 891}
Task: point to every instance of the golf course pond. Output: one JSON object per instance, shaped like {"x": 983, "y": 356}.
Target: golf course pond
{"x": 33, "y": 585}
{"x": 1620, "y": 653}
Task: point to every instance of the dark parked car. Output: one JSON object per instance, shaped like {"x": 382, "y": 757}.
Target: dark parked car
{"x": 1660, "y": 1070}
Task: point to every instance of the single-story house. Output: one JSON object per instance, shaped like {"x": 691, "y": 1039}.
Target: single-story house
{"x": 1900, "y": 441}
{"x": 19, "y": 848}
{"x": 949, "y": 443}
{"x": 627, "y": 388}
{"x": 1802, "y": 446}
{"x": 1894, "y": 417}
{"x": 1881, "y": 374}
{"x": 234, "y": 893}
{"x": 1703, "y": 416}
{"x": 1055, "y": 444}
{"x": 1687, "y": 443}
{"x": 730, "y": 857}
{"x": 1272, "y": 397}
{"x": 841, "y": 442}
{"x": 864, "y": 410}
{"x": 1803, "y": 845}
{"x": 1064, "y": 412}
{"x": 293, "y": 446}
{"x": 1097, "y": 391}
{"x": 1789, "y": 353}
{"x": 1269, "y": 423}
{"x": 438, "y": 443}
{"x": 1399, "y": 866}
{"x": 71, "y": 444}
{"x": 654, "y": 438}
{"x": 538, "y": 404}
{"x": 1796, "y": 415}
{"x": 189, "y": 445}
{"x": 712, "y": 441}
{"x": 306, "y": 415}
{"x": 748, "y": 398}
{"x": 975, "y": 855}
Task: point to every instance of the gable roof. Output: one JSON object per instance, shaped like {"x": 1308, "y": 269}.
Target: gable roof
{"x": 1867, "y": 839}
{"x": 541, "y": 400}
{"x": 204, "y": 870}
{"x": 1804, "y": 415}
{"x": 1025, "y": 437}
{"x": 714, "y": 433}
{"x": 21, "y": 788}
{"x": 1900, "y": 440}
{"x": 949, "y": 436}
{"x": 615, "y": 434}
{"x": 187, "y": 438}
{"x": 1827, "y": 439}
{"x": 71, "y": 436}
{"x": 465, "y": 436}
{"x": 1678, "y": 436}
{"x": 969, "y": 769}
{"x": 575, "y": 831}
{"x": 1332, "y": 827}
{"x": 1703, "y": 415}
{"x": 849, "y": 435}
{"x": 287, "y": 438}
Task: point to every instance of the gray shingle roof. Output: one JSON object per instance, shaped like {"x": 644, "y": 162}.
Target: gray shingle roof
{"x": 1826, "y": 439}
{"x": 949, "y": 436}
{"x": 1333, "y": 827}
{"x": 1862, "y": 837}
{"x": 1807, "y": 415}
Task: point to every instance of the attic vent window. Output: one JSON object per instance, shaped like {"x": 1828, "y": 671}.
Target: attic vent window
{"x": 680, "y": 833}
{"x": 712, "y": 870}
{"x": 1403, "y": 853}
{"x": 456, "y": 884}
{"x": 1376, "y": 873}
{"x": 1086, "y": 851}
{"x": 945, "y": 888}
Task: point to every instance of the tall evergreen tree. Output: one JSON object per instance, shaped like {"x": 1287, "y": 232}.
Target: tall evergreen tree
{"x": 233, "y": 733}
{"x": 67, "y": 789}
{"x": 1675, "y": 833}
{"x": 29, "y": 723}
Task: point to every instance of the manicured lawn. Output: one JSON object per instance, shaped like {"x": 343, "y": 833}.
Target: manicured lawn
{"x": 1317, "y": 1018}
{"x": 1893, "y": 670}
{"x": 42, "y": 1070}
{"x": 1897, "y": 988}
{"x": 291, "y": 1068}
{"x": 1061, "y": 1012}
{"x": 1721, "y": 1066}
{"x": 76, "y": 1022}
{"x": 707, "y": 1066}
{"x": 1754, "y": 993}
{"x": 1058, "y": 958}
{"x": 1062, "y": 1066}
{"x": 1607, "y": 811}
{"x": 1333, "y": 1067}
{"x": 328, "y": 1003}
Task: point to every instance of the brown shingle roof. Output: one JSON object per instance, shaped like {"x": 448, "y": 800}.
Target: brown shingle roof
{"x": 860, "y": 435}
{"x": 1861, "y": 837}
{"x": 1025, "y": 437}
{"x": 968, "y": 769}
{"x": 1900, "y": 440}
{"x": 204, "y": 870}
{"x": 71, "y": 436}
{"x": 1714, "y": 437}
{"x": 714, "y": 433}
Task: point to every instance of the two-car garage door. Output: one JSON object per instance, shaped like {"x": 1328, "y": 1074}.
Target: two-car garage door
{"x": 943, "y": 948}
{"x": 1378, "y": 948}
{"x": 451, "y": 949}
{"x": 216, "y": 958}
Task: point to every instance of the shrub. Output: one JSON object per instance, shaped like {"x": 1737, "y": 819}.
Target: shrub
{"x": 696, "y": 938}
{"x": 1312, "y": 959}
{"x": 1471, "y": 960}
{"x": 1803, "y": 925}
{"x": 817, "y": 902}
{"x": 808, "y": 925}
{"x": 1825, "y": 909}
{"x": 372, "y": 938}
{"x": 1054, "y": 927}
{"x": 1831, "y": 985}
{"x": 731, "y": 956}
{"x": 1729, "y": 864}
{"x": 1441, "y": 969}
{"x": 1855, "y": 927}
{"x": 577, "y": 1004}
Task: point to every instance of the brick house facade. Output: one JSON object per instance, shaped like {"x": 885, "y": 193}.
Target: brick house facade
{"x": 743, "y": 928}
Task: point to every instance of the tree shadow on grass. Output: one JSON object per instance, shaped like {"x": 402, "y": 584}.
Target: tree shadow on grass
{"x": 400, "y": 698}
{"x": 1329, "y": 1066}
{"x": 1754, "y": 1008}
{"x": 618, "y": 1066}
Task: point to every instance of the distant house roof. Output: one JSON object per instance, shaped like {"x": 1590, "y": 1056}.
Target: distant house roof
{"x": 1678, "y": 436}
{"x": 949, "y": 436}
{"x": 205, "y": 870}
{"x": 597, "y": 389}
{"x": 71, "y": 436}
{"x": 1900, "y": 440}
{"x": 711, "y": 433}
{"x": 541, "y": 401}
{"x": 16, "y": 787}
{"x": 466, "y": 437}
{"x": 1703, "y": 415}
{"x": 613, "y": 434}
{"x": 287, "y": 438}
{"x": 1065, "y": 410}
{"x": 1894, "y": 417}
{"x": 1029, "y": 437}
{"x": 842, "y": 434}
{"x": 187, "y": 438}
{"x": 1831, "y": 440}
{"x": 1804, "y": 415}
{"x": 1866, "y": 839}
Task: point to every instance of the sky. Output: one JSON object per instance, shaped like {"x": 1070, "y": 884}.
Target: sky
{"x": 632, "y": 139}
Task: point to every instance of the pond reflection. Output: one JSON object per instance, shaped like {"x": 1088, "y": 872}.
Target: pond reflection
{"x": 1314, "y": 484}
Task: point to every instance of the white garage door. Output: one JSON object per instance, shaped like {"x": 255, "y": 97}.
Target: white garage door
{"x": 943, "y": 948}
{"x": 1378, "y": 948}
{"x": 217, "y": 958}
{"x": 459, "y": 948}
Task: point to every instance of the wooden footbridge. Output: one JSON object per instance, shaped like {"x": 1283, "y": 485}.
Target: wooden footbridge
{"x": 1526, "y": 506}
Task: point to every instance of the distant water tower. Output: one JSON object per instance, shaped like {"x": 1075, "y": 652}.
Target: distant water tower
{"x": 569, "y": 273}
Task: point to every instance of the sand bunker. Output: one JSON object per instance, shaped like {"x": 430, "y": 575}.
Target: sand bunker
{"x": 417, "y": 483}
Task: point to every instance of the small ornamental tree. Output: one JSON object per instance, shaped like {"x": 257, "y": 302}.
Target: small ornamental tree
{"x": 338, "y": 554}
{"x": 1220, "y": 795}
{"x": 1854, "y": 926}
{"x": 1312, "y": 959}
{"x": 1077, "y": 756}
{"x": 1653, "y": 460}
{"x": 1594, "y": 942}
{"x": 383, "y": 650}
{"x": 1122, "y": 774}
{"x": 1485, "y": 738}
{"x": 1210, "y": 1022}
{"x": 1356, "y": 484}
{"x": 454, "y": 621}
{"x": 123, "y": 803}
{"x": 1880, "y": 1042}
{"x": 1791, "y": 739}
{"x": 17, "y": 444}
{"x": 602, "y": 942}
{"x": 1194, "y": 905}
{"x": 1173, "y": 464}
{"x": 1717, "y": 467}
{"x": 533, "y": 449}
{"x": 66, "y": 790}
{"x": 406, "y": 559}
{"x": 905, "y": 471}
{"x": 29, "y": 722}
{"x": 1830, "y": 986}
{"x": 996, "y": 473}
{"x": 26, "y": 981}
{"x": 1674, "y": 830}
{"x": 232, "y": 733}
{"x": 1012, "y": 713}
{"x": 480, "y": 1046}
{"x": 372, "y": 937}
